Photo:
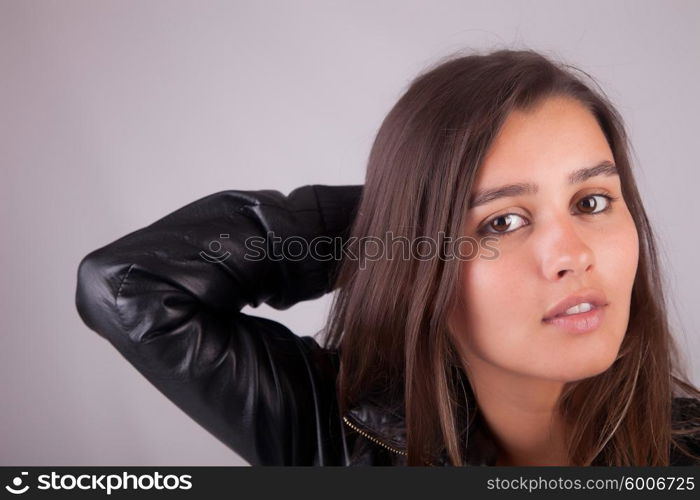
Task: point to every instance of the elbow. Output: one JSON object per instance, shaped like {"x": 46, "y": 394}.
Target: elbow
{"x": 95, "y": 293}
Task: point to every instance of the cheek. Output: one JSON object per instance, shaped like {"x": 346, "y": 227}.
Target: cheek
{"x": 499, "y": 303}
{"x": 631, "y": 244}
{"x": 617, "y": 255}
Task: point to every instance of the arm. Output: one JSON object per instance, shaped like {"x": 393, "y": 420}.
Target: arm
{"x": 175, "y": 316}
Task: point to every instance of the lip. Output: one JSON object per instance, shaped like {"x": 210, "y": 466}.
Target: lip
{"x": 594, "y": 297}
{"x": 579, "y": 323}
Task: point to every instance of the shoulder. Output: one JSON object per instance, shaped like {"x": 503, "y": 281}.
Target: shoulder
{"x": 685, "y": 409}
{"x": 322, "y": 362}
{"x": 686, "y": 426}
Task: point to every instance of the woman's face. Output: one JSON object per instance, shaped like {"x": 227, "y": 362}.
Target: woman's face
{"x": 560, "y": 239}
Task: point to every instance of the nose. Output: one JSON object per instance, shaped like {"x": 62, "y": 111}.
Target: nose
{"x": 563, "y": 250}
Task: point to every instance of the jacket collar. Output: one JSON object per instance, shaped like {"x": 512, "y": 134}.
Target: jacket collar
{"x": 385, "y": 424}
{"x": 387, "y": 428}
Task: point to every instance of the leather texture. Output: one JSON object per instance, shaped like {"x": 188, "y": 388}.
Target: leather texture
{"x": 169, "y": 296}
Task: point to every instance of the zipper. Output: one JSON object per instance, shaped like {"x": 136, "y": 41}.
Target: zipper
{"x": 377, "y": 441}
{"x": 372, "y": 438}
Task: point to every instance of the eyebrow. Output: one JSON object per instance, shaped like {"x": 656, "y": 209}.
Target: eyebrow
{"x": 606, "y": 168}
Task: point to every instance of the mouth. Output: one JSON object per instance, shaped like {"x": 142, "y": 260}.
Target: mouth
{"x": 578, "y": 322}
{"x": 582, "y": 311}
{"x": 578, "y": 302}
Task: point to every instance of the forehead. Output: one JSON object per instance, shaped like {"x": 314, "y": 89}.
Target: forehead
{"x": 551, "y": 140}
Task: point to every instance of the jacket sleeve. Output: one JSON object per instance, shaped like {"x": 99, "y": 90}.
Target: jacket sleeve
{"x": 168, "y": 297}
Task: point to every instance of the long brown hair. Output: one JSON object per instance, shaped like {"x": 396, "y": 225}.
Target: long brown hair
{"x": 389, "y": 316}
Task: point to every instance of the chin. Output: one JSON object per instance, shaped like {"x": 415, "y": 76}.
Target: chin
{"x": 577, "y": 370}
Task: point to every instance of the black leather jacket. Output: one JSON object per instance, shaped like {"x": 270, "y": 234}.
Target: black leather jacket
{"x": 169, "y": 296}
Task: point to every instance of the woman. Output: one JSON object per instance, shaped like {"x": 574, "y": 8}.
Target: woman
{"x": 547, "y": 343}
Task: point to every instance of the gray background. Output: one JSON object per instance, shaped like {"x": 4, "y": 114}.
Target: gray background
{"x": 115, "y": 113}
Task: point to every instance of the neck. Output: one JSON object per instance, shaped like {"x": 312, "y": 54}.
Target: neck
{"x": 522, "y": 415}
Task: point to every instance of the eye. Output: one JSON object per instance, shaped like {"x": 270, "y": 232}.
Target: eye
{"x": 495, "y": 225}
{"x": 591, "y": 207}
